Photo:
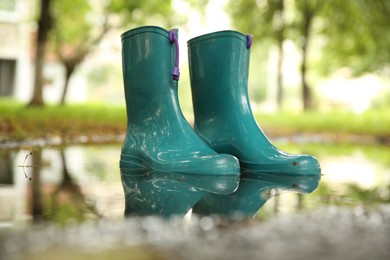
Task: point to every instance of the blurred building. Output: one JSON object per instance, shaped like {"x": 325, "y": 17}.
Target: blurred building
{"x": 15, "y": 58}
{"x": 17, "y": 49}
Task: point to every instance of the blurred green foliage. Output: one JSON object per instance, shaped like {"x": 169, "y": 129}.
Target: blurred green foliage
{"x": 353, "y": 34}
{"x": 330, "y": 35}
{"x": 80, "y": 25}
{"x": 356, "y": 35}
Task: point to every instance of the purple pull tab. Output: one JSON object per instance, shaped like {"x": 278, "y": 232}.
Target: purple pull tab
{"x": 175, "y": 71}
{"x": 249, "y": 42}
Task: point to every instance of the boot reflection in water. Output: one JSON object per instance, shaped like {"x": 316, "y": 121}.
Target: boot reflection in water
{"x": 159, "y": 141}
{"x": 219, "y": 65}
{"x": 254, "y": 191}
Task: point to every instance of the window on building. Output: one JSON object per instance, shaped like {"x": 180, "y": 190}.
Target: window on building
{"x": 7, "y": 77}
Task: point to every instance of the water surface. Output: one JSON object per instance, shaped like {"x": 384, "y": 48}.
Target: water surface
{"x": 82, "y": 182}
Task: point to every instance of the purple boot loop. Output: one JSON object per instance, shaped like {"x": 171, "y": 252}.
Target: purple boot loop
{"x": 175, "y": 71}
{"x": 249, "y": 43}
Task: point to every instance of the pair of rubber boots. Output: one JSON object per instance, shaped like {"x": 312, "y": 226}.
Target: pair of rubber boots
{"x": 168, "y": 167}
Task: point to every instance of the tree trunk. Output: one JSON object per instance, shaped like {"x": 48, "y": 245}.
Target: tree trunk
{"x": 306, "y": 92}
{"x": 279, "y": 80}
{"x": 69, "y": 69}
{"x": 44, "y": 26}
{"x": 280, "y": 39}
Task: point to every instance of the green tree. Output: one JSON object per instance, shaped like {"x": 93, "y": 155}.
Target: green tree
{"x": 357, "y": 35}
{"x": 73, "y": 41}
{"x": 266, "y": 20}
{"x": 302, "y": 28}
{"x": 44, "y": 27}
{"x": 354, "y": 34}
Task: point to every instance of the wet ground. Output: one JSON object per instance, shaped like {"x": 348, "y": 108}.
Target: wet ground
{"x": 328, "y": 233}
{"x": 76, "y": 197}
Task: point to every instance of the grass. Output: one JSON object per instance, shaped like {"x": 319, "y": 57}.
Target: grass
{"x": 372, "y": 123}
{"x": 18, "y": 122}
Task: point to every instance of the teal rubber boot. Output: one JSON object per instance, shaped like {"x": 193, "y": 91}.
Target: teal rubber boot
{"x": 219, "y": 65}
{"x": 159, "y": 139}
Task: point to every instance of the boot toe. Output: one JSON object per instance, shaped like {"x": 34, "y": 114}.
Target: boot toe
{"x": 299, "y": 165}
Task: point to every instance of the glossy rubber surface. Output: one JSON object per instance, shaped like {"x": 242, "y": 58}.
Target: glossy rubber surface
{"x": 219, "y": 65}
{"x": 252, "y": 194}
{"x": 158, "y": 193}
{"x": 158, "y": 137}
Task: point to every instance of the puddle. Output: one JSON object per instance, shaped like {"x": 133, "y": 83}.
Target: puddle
{"x": 73, "y": 207}
{"x": 82, "y": 182}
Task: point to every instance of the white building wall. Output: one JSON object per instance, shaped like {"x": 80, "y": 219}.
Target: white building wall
{"x": 17, "y": 30}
